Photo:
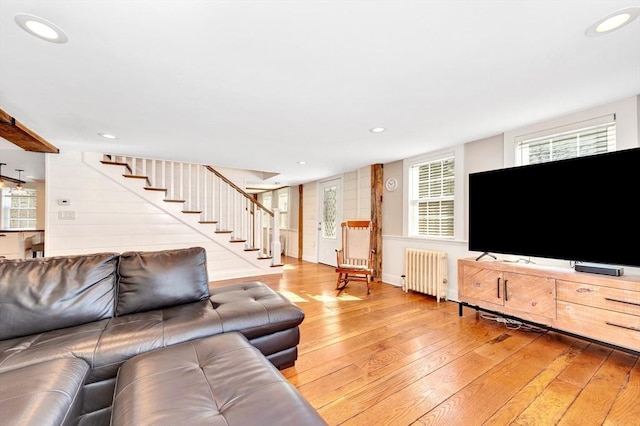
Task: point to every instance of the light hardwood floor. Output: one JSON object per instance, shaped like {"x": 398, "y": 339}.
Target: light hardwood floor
{"x": 392, "y": 358}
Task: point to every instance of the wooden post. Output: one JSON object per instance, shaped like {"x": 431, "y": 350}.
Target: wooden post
{"x": 300, "y": 218}
{"x": 376, "y": 217}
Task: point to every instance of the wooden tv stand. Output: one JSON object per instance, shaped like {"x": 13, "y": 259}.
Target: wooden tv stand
{"x": 598, "y": 307}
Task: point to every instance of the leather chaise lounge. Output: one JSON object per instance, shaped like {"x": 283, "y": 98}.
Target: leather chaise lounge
{"x": 112, "y": 338}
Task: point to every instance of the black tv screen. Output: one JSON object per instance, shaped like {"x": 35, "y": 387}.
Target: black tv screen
{"x": 583, "y": 209}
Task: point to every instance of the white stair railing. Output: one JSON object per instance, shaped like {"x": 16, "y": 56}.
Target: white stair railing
{"x": 204, "y": 190}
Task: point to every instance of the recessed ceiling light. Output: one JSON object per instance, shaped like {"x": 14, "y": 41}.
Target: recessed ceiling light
{"x": 107, "y": 135}
{"x": 40, "y": 28}
{"x": 302, "y": 163}
{"x": 377, "y": 130}
{"x": 613, "y": 21}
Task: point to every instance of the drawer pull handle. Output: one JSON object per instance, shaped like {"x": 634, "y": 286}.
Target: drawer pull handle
{"x": 621, "y": 301}
{"x": 628, "y": 327}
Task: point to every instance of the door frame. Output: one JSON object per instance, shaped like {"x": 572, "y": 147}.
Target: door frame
{"x": 339, "y": 216}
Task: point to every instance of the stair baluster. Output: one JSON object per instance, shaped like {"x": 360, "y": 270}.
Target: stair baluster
{"x": 203, "y": 189}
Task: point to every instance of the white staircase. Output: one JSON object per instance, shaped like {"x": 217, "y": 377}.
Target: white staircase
{"x": 203, "y": 199}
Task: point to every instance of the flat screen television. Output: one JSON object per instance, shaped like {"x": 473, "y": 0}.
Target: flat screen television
{"x": 583, "y": 209}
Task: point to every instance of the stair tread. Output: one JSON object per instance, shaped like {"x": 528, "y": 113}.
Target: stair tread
{"x": 166, "y": 200}
{"x": 150, "y": 188}
{"x": 135, "y": 176}
{"x": 192, "y": 211}
{"x": 208, "y": 221}
{"x": 251, "y": 249}
{"x": 238, "y": 241}
{"x": 223, "y": 231}
{"x": 116, "y": 163}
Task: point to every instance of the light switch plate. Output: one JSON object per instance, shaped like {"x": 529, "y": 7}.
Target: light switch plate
{"x": 67, "y": 215}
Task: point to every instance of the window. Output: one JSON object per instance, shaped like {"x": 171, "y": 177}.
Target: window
{"x": 594, "y": 139}
{"x": 330, "y": 212}
{"x": 431, "y": 198}
{"x": 267, "y": 203}
{"x": 283, "y": 201}
{"x": 19, "y": 209}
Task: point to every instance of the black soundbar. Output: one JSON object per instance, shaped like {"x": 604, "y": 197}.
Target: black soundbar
{"x": 591, "y": 268}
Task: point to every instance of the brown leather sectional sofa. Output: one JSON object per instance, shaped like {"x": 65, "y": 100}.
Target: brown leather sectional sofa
{"x": 73, "y": 326}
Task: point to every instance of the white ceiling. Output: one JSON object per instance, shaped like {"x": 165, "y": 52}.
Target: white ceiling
{"x": 263, "y": 84}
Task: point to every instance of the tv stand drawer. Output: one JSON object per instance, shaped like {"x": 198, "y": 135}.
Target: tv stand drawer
{"x": 624, "y": 301}
{"x": 600, "y": 324}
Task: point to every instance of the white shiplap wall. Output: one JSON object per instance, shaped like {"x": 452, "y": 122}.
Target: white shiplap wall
{"x": 357, "y": 194}
{"x": 310, "y": 222}
{"x": 356, "y": 204}
{"x": 109, "y": 217}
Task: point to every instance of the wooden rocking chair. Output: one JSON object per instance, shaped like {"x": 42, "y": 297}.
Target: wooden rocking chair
{"x": 355, "y": 258}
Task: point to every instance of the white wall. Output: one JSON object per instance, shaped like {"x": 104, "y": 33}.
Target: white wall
{"x": 109, "y": 217}
{"x": 357, "y": 194}
{"x": 490, "y": 153}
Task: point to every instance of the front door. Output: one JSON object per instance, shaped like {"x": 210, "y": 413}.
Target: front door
{"x": 329, "y": 218}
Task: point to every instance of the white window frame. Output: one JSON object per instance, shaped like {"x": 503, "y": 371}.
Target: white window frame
{"x": 458, "y": 199}
{"x": 6, "y": 205}
{"x": 627, "y": 130}
{"x": 283, "y": 198}
{"x": 548, "y": 137}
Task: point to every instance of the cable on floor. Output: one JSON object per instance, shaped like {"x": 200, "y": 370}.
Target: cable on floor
{"x": 512, "y": 324}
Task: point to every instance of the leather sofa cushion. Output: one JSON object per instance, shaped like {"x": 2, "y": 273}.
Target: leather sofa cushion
{"x": 220, "y": 380}
{"x": 160, "y": 279}
{"x": 73, "y": 342}
{"x": 48, "y": 393}
{"x": 105, "y": 345}
{"x": 130, "y": 335}
{"x": 44, "y": 294}
{"x": 254, "y": 309}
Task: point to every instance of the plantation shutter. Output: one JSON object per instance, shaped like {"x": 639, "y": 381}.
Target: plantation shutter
{"x": 434, "y": 198}
{"x": 593, "y": 139}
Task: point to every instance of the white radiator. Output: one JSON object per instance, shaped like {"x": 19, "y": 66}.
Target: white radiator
{"x": 426, "y": 272}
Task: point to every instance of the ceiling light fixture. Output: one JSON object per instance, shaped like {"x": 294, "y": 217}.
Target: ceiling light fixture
{"x": 302, "y": 163}
{"x": 19, "y": 186}
{"x": 107, "y": 135}
{"x": 613, "y": 21}
{"x": 377, "y": 130}
{"x": 1, "y": 181}
{"x": 41, "y": 28}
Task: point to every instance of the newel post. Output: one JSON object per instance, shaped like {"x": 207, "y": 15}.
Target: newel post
{"x": 276, "y": 250}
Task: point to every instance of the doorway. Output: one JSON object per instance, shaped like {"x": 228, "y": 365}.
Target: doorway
{"x": 329, "y": 219}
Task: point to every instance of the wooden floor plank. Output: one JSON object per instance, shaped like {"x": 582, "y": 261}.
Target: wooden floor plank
{"x": 597, "y": 397}
{"x": 626, "y": 407}
{"x": 488, "y": 393}
{"x": 549, "y": 407}
{"x": 400, "y": 358}
{"x": 410, "y": 402}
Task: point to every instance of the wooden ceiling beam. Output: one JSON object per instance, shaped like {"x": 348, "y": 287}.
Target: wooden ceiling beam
{"x": 13, "y": 180}
{"x": 20, "y": 135}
